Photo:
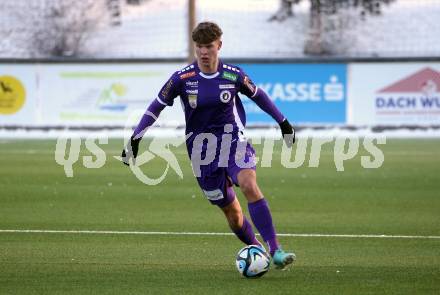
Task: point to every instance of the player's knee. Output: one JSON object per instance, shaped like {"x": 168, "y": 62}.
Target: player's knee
{"x": 249, "y": 188}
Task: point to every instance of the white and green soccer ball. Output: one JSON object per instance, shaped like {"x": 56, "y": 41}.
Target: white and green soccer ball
{"x": 252, "y": 261}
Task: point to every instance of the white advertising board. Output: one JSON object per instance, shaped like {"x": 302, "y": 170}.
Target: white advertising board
{"x": 102, "y": 95}
{"x": 394, "y": 94}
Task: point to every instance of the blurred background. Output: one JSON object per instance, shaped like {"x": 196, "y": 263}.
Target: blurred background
{"x": 90, "y": 64}
{"x": 262, "y": 29}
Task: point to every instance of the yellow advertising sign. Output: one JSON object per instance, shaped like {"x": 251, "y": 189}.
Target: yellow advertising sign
{"x": 12, "y": 95}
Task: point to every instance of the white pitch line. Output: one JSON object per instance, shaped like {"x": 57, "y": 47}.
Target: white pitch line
{"x": 108, "y": 232}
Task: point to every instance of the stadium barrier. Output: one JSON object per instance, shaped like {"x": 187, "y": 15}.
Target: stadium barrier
{"x": 99, "y": 95}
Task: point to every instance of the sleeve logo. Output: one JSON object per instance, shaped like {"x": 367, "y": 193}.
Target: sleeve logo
{"x": 249, "y": 84}
{"x": 229, "y": 76}
{"x": 187, "y": 75}
{"x": 167, "y": 89}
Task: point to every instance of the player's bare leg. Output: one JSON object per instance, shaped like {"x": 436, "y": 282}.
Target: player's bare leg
{"x": 262, "y": 218}
{"x": 234, "y": 215}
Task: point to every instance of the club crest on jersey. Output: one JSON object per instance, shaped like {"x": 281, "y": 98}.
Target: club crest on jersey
{"x": 225, "y": 96}
{"x": 192, "y": 100}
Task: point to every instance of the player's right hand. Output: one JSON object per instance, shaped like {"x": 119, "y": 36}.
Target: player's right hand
{"x": 287, "y": 132}
{"x": 130, "y": 151}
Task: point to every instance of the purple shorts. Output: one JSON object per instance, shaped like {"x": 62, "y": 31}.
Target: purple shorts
{"x": 216, "y": 182}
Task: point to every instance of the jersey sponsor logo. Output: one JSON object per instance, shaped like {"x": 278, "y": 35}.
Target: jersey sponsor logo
{"x": 249, "y": 84}
{"x": 192, "y": 83}
{"x": 192, "y": 100}
{"x": 192, "y": 91}
{"x": 225, "y": 96}
{"x": 226, "y": 86}
{"x": 230, "y": 76}
{"x": 213, "y": 195}
{"x": 188, "y": 75}
{"x": 167, "y": 89}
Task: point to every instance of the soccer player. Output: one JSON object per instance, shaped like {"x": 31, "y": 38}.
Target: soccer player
{"x": 208, "y": 90}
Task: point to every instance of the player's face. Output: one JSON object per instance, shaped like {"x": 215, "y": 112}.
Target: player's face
{"x": 207, "y": 54}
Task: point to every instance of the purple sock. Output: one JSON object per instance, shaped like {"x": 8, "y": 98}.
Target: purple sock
{"x": 262, "y": 219}
{"x": 246, "y": 233}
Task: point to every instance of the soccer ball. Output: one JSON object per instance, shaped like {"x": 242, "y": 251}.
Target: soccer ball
{"x": 252, "y": 261}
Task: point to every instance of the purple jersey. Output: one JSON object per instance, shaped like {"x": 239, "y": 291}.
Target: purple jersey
{"x": 209, "y": 101}
{"x": 212, "y": 107}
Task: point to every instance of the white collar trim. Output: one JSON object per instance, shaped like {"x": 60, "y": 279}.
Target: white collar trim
{"x": 212, "y": 76}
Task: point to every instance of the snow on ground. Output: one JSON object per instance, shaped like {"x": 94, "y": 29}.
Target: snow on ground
{"x": 406, "y": 28}
{"x": 158, "y": 29}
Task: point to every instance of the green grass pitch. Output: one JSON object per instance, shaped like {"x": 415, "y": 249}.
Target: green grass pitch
{"x": 400, "y": 198}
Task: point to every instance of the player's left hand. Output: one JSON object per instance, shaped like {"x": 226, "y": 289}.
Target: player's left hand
{"x": 130, "y": 151}
{"x": 288, "y": 133}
